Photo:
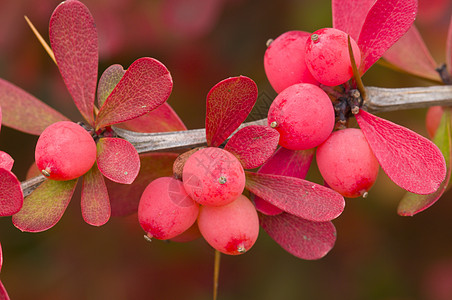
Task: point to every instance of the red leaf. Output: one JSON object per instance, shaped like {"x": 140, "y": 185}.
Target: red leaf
{"x": 24, "y": 112}
{"x": 412, "y": 204}
{"x": 73, "y": 38}
{"x": 145, "y": 85}
{"x": 95, "y": 202}
{"x": 124, "y": 199}
{"x": 107, "y": 82}
{"x": 6, "y": 161}
{"x": 413, "y": 162}
{"x": 11, "y": 195}
{"x": 45, "y": 206}
{"x": 449, "y": 48}
{"x": 411, "y": 55}
{"x": 3, "y": 293}
{"x": 302, "y": 238}
{"x": 349, "y": 15}
{"x": 386, "y": 22}
{"x": 253, "y": 145}
{"x": 118, "y": 160}
{"x": 228, "y": 104}
{"x": 296, "y": 196}
{"x": 161, "y": 119}
{"x": 293, "y": 163}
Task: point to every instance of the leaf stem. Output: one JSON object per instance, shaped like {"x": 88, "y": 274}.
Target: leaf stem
{"x": 356, "y": 76}
{"x": 216, "y": 274}
{"x": 41, "y": 40}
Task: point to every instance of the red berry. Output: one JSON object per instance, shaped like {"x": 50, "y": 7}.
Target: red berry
{"x": 328, "y": 58}
{"x": 65, "y": 151}
{"x": 213, "y": 176}
{"x": 284, "y": 61}
{"x": 347, "y": 163}
{"x": 303, "y": 115}
{"x": 165, "y": 210}
{"x": 232, "y": 228}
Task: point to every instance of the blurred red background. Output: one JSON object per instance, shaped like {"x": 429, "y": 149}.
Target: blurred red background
{"x": 378, "y": 254}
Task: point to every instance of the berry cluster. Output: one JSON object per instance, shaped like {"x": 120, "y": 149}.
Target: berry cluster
{"x": 297, "y": 65}
{"x": 211, "y": 193}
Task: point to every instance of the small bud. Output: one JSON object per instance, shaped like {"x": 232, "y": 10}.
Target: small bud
{"x": 148, "y": 237}
{"x": 269, "y": 41}
{"x": 46, "y": 172}
{"x": 314, "y": 37}
{"x": 222, "y": 180}
{"x": 365, "y": 194}
{"x": 241, "y": 249}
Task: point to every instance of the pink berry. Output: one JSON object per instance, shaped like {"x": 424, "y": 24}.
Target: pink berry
{"x": 347, "y": 163}
{"x": 284, "y": 61}
{"x": 65, "y": 151}
{"x": 433, "y": 119}
{"x": 303, "y": 114}
{"x": 328, "y": 58}
{"x": 232, "y": 228}
{"x": 213, "y": 176}
{"x": 165, "y": 210}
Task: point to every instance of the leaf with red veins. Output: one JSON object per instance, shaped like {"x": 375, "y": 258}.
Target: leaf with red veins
{"x": 6, "y": 161}
{"x": 11, "y": 195}
{"x": 293, "y": 163}
{"x": 386, "y": 22}
{"x": 412, "y": 204}
{"x": 349, "y": 15}
{"x": 411, "y": 55}
{"x": 146, "y": 85}
{"x": 24, "y": 112}
{"x": 253, "y": 145}
{"x": 449, "y": 48}
{"x": 124, "y": 199}
{"x": 3, "y": 293}
{"x": 45, "y": 206}
{"x": 118, "y": 160}
{"x": 161, "y": 119}
{"x": 107, "y": 82}
{"x": 302, "y": 238}
{"x": 228, "y": 104}
{"x": 296, "y": 196}
{"x": 413, "y": 162}
{"x": 95, "y": 203}
{"x": 73, "y": 38}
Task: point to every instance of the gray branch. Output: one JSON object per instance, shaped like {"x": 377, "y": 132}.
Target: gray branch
{"x": 378, "y": 100}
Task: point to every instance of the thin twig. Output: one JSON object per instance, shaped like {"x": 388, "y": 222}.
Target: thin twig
{"x": 216, "y": 274}
{"x": 41, "y": 40}
{"x": 378, "y": 100}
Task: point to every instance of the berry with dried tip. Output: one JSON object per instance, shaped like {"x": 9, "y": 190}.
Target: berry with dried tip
{"x": 65, "y": 151}
{"x": 213, "y": 176}
{"x": 303, "y": 114}
{"x": 231, "y": 229}
{"x": 284, "y": 61}
{"x": 165, "y": 210}
{"x": 328, "y": 58}
{"x": 347, "y": 163}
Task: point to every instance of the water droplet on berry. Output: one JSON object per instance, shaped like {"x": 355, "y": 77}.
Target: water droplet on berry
{"x": 273, "y": 124}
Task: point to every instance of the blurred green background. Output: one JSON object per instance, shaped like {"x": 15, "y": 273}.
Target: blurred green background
{"x": 378, "y": 254}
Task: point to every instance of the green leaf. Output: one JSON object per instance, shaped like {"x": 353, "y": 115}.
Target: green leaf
{"x": 412, "y": 204}
{"x": 45, "y": 206}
